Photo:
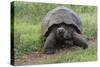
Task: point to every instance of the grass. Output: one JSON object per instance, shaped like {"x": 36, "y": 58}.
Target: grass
{"x": 74, "y": 56}
{"x": 27, "y": 39}
{"x": 89, "y": 24}
{"x": 27, "y": 30}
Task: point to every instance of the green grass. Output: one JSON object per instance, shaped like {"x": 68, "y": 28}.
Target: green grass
{"x": 27, "y": 38}
{"x": 74, "y": 56}
{"x": 27, "y": 30}
{"x": 89, "y": 24}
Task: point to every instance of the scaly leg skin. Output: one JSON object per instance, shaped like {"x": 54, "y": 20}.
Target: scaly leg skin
{"x": 79, "y": 40}
{"x": 49, "y": 44}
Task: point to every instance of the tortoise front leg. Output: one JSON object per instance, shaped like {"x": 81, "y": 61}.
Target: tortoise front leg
{"x": 49, "y": 44}
{"x": 79, "y": 40}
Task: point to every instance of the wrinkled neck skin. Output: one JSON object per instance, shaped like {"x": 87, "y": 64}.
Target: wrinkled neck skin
{"x": 68, "y": 35}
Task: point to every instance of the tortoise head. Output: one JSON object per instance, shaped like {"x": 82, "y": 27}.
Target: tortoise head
{"x": 60, "y": 31}
{"x": 63, "y": 34}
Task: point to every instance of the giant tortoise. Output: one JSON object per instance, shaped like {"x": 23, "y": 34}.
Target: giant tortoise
{"x": 61, "y": 27}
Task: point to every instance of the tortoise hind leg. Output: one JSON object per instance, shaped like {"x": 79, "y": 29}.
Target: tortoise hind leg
{"x": 79, "y": 41}
{"x": 49, "y": 44}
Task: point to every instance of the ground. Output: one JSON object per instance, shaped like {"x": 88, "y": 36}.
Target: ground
{"x": 40, "y": 58}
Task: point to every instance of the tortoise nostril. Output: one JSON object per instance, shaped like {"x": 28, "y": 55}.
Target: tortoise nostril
{"x": 61, "y": 30}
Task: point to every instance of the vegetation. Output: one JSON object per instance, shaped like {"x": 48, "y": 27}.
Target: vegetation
{"x": 73, "y": 56}
{"x": 27, "y": 30}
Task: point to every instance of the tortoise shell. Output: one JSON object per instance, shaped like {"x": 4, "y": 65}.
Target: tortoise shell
{"x": 60, "y": 15}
